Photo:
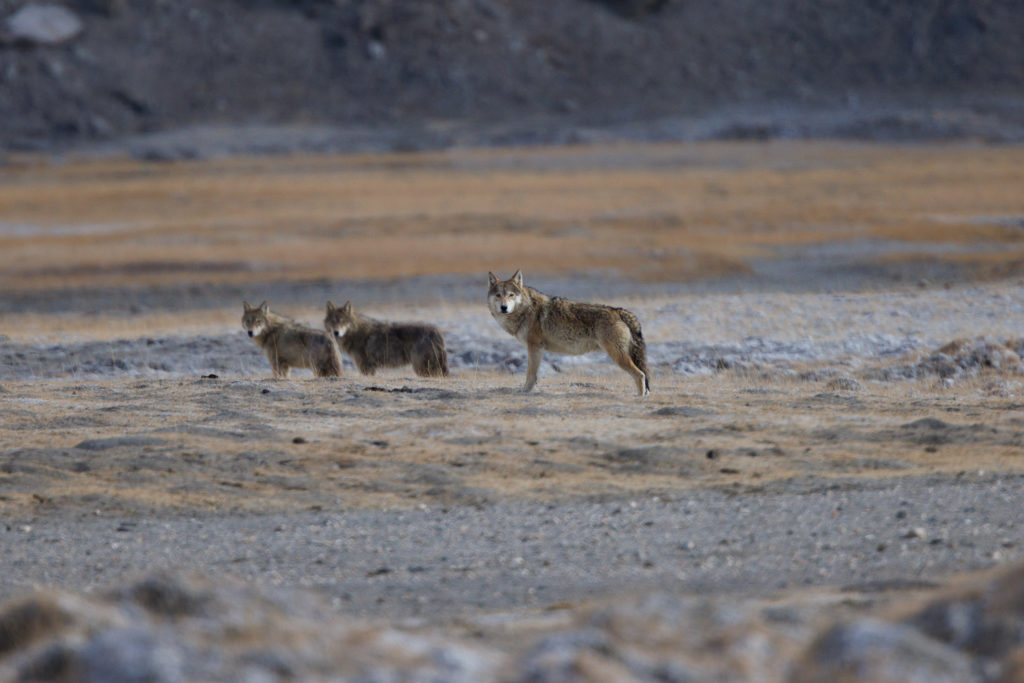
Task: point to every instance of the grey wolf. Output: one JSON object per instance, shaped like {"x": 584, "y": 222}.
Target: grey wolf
{"x": 376, "y": 344}
{"x": 287, "y": 344}
{"x": 555, "y": 324}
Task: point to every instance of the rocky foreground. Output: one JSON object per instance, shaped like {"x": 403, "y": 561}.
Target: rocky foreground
{"x": 168, "y": 627}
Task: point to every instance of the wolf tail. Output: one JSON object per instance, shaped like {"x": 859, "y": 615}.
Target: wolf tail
{"x": 438, "y": 357}
{"x": 637, "y": 346}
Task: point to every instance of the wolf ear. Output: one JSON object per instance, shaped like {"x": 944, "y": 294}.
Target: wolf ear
{"x": 330, "y": 307}
{"x": 264, "y": 308}
{"x": 246, "y": 306}
{"x": 492, "y": 278}
{"x": 518, "y": 278}
{"x": 347, "y": 308}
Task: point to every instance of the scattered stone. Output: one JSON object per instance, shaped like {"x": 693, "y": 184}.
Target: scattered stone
{"x": 119, "y": 442}
{"x": 680, "y": 411}
{"x": 844, "y": 384}
{"x": 40, "y": 24}
{"x": 167, "y": 595}
{"x": 636, "y": 9}
{"x": 960, "y": 359}
{"x": 644, "y": 458}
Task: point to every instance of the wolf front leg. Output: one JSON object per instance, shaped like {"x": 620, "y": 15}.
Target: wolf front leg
{"x": 533, "y": 354}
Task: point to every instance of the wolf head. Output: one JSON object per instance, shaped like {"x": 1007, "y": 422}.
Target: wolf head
{"x": 254, "y": 318}
{"x": 338, "y": 321}
{"x": 505, "y": 296}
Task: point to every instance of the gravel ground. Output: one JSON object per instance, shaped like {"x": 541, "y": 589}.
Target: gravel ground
{"x": 437, "y": 562}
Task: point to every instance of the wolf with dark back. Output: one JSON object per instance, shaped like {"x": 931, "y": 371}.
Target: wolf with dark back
{"x": 546, "y": 323}
{"x": 373, "y": 344}
{"x": 287, "y": 344}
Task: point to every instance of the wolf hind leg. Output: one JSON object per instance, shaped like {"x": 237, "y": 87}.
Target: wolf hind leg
{"x": 421, "y": 365}
{"x": 617, "y": 349}
{"x": 428, "y": 365}
{"x": 430, "y": 360}
{"x": 442, "y": 361}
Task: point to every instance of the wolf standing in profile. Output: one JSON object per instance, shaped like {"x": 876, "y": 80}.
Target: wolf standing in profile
{"x": 562, "y": 326}
{"x": 374, "y": 344}
{"x": 288, "y": 344}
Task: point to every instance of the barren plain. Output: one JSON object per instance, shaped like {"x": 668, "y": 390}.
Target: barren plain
{"x": 836, "y": 426}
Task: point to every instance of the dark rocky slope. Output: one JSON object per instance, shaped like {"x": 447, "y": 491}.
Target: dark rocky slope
{"x": 484, "y": 71}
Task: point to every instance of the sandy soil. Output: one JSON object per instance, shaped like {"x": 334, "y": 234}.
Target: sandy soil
{"x": 834, "y": 333}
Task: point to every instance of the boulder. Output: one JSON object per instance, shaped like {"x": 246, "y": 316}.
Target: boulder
{"x": 38, "y": 24}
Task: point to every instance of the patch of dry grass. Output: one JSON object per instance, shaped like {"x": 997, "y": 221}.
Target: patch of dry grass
{"x": 259, "y": 445}
{"x": 648, "y": 211}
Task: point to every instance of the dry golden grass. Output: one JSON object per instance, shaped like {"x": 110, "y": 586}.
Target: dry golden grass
{"x": 648, "y": 211}
{"x": 264, "y": 445}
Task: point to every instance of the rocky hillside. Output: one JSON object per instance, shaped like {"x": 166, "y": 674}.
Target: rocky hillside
{"x": 527, "y": 71}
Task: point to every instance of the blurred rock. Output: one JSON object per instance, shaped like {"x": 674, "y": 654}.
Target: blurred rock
{"x": 876, "y": 651}
{"x": 103, "y": 7}
{"x": 635, "y": 8}
{"x": 844, "y": 384}
{"x": 169, "y": 627}
{"x": 986, "y": 620}
{"x": 172, "y": 627}
{"x": 43, "y": 24}
{"x": 959, "y": 359}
